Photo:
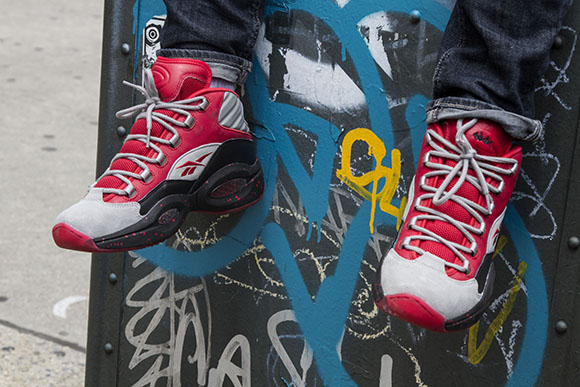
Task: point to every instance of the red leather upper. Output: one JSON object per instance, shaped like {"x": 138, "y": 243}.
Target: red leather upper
{"x": 488, "y": 139}
{"x": 179, "y": 78}
{"x": 176, "y": 79}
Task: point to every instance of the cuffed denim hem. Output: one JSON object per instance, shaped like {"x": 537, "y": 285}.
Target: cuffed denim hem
{"x": 449, "y": 108}
{"x": 224, "y": 66}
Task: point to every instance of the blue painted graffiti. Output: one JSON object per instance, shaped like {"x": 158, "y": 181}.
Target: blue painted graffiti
{"x": 322, "y": 319}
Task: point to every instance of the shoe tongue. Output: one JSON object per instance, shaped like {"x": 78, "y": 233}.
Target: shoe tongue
{"x": 488, "y": 138}
{"x": 178, "y": 78}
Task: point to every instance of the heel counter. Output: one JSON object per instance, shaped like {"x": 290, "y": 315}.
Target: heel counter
{"x": 232, "y": 113}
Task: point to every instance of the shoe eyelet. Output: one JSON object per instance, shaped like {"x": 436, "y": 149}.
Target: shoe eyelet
{"x": 175, "y": 141}
{"x": 130, "y": 191}
{"x": 501, "y": 186}
{"x": 132, "y": 194}
{"x": 189, "y": 122}
{"x": 161, "y": 160}
{"x": 146, "y": 176}
{"x": 203, "y": 104}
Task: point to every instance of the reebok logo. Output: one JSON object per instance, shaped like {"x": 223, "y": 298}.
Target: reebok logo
{"x": 479, "y": 137}
{"x": 190, "y": 166}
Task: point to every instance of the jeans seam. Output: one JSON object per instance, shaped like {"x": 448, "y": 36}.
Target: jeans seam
{"x": 457, "y": 105}
{"x": 256, "y": 28}
{"x": 207, "y": 56}
{"x": 447, "y": 53}
{"x": 440, "y": 66}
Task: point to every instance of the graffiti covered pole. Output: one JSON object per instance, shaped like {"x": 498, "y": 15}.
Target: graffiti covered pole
{"x": 107, "y": 269}
{"x": 280, "y": 293}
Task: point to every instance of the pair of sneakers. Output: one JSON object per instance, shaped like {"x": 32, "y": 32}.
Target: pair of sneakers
{"x": 190, "y": 149}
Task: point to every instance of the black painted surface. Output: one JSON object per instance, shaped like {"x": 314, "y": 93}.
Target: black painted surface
{"x": 173, "y": 329}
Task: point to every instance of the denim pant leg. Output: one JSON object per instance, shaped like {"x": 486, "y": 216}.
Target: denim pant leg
{"x": 491, "y": 58}
{"x": 222, "y": 33}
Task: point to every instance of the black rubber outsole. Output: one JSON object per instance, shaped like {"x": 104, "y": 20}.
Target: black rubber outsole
{"x": 231, "y": 188}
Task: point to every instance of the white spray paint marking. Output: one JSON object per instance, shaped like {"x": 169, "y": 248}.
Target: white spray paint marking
{"x": 539, "y": 197}
{"x": 375, "y": 24}
{"x": 548, "y": 88}
{"x": 539, "y": 229}
{"x": 306, "y": 358}
{"x": 509, "y": 355}
{"x": 386, "y": 378}
{"x": 339, "y": 346}
{"x": 341, "y": 3}
{"x": 59, "y": 309}
{"x": 315, "y": 83}
{"x": 186, "y": 310}
{"x": 330, "y": 86}
{"x": 240, "y": 376}
{"x": 523, "y": 287}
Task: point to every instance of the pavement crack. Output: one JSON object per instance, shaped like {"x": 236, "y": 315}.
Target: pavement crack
{"x": 43, "y": 336}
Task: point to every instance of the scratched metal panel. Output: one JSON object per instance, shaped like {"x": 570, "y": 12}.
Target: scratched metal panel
{"x": 562, "y": 357}
{"x": 106, "y": 294}
{"x": 279, "y": 295}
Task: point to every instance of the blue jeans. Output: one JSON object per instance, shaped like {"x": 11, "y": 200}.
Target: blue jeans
{"x": 492, "y": 54}
{"x": 222, "y": 33}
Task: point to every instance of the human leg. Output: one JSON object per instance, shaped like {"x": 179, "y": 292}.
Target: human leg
{"x": 491, "y": 58}
{"x": 439, "y": 273}
{"x": 222, "y": 33}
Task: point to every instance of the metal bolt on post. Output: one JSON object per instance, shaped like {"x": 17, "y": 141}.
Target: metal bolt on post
{"x": 573, "y": 242}
{"x": 561, "y": 327}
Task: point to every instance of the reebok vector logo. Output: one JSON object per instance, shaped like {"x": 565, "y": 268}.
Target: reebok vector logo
{"x": 190, "y": 166}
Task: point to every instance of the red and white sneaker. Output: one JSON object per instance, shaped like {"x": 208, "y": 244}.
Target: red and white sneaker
{"x": 439, "y": 273}
{"x": 190, "y": 149}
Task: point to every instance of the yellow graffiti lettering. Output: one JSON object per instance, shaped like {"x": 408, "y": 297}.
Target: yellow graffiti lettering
{"x": 376, "y": 148}
{"x": 476, "y": 353}
{"x": 503, "y": 240}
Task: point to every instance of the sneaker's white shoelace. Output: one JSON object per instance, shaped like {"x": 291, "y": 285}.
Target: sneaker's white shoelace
{"x": 148, "y": 111}
{"x": 466, "y": 158}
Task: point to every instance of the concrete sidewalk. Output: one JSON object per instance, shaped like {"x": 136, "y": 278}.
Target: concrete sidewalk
{"x": 49, "y": 77}
{"x": 30, "y": 359}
